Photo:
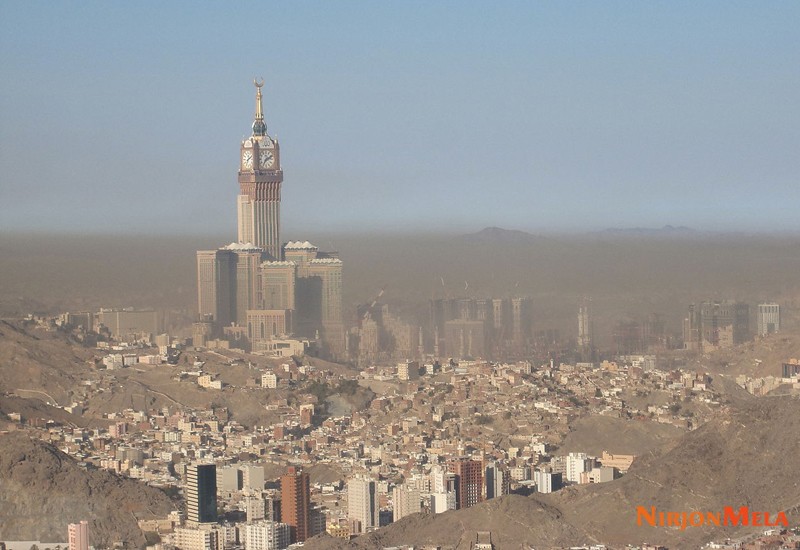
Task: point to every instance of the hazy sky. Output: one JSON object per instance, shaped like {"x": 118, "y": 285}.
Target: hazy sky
{"x": 127, "y": 116}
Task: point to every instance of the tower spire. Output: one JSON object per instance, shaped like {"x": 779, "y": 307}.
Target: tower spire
{"x": 259, "y": 127}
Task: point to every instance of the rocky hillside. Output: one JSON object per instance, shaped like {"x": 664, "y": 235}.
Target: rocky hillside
{"x": 746, "y": 457}
{"x": 512, "y": 520}
{"x": 40, "y": 364}
{"x": 595, "y": 434}
{"x": 43, "y": 490}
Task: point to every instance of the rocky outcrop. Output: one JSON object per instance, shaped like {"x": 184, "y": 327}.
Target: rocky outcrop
{"x": 42, "y": 490}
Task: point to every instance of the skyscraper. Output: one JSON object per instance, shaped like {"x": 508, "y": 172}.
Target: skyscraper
{"x": 362, "y": 503}
{"x": 296, "y": 503}
{"x": 260, "y": 178}
{"x": 78, "y": 534}
{"x": 266, "y": 535}
{"x": 216, "y": 275}
{"x": 406, "y": 501}
{"x": 228, "y": 282}
{"x": 497, "y": 481}
{"x": 768, "y": 318}
{"x": 268, "y": 290}
{"x": 469, "y": 481}
{"x": 585, "y": 333}
{"x": 201, "y": 493}
{"x": 717, "y": 324}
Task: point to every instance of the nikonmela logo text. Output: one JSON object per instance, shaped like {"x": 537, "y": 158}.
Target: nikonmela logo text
{"x": 729, "y": 516}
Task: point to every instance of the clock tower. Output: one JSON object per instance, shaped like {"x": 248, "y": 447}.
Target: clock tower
{"x": 260, "y": 178}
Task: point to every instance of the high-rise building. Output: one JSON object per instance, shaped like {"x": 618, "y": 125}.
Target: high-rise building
{"x": 318, "y": 294}
{"x": 229, "y": 479}
{"x": 585, "y": 333}
{"x": 266, "y": 535}
{"x": 329, "y": 273}
{"x": 216, "y": 290}
{"x": 465, "y": 339}
{"x": 547, "y": 482}
{"x": 201, "y": 493}
{"x": 248, "y": 284}
{"x": 255, "y": 508}
{"x": 577, "y": 463}
{"x": 269, "y": 291}
{"x": 469, "y": 481}
{"x": 362, "y": 504}
{"x": 228, "y": 282}
{"x": 408, "y": 370}
{"x": 406, "y": 501}
{"x": 768, "y": 319}
{"x": 78, "y": 535}
{"x": 260, "y": 179}
{"x": 497, "y": 481}
{"x": 482, "y": 327}
{"x": 199, "y": 539}
{"x": 521, "y": 322}
{"x": 296, "y": 503}
{"x": 442, "y": 490}
{"x": 252, "y": 477}
{"x": 278, "y": 280}
{"x": 716, "y": 324}
{"x": 264, "y": 325}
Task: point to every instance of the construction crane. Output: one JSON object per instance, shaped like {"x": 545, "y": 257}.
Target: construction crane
{"x": 368, "y": 313}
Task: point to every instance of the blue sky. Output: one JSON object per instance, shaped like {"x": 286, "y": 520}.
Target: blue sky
{"x": 127, "y": 117}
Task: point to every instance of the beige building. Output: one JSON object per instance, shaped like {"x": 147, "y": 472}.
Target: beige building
{"x": 78, "y": 534}
{"x": 260, "y": 179}
{"x": 228, "y": 282}
{"x": 258, "y": 288}
{"x": 603, "y": 474}
{"x": 362, "y": 504}
{"x": 408, "y": 370}
{"x": 278, "y": 284}
{"x": 265, "y": 324}
{"x": 266, "y": 535}
{"x": 319, "y": 294}
{"x": 620, "y": 462}
{"x": 248, "y": 287}
{"x": 216, "y": 275}
{"x": 198, "y": 539}
{"x": 406, "y": 501}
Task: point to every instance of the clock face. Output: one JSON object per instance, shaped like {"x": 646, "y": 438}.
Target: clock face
{"x": 266, "y": 159}
{"x": 247, "y": 159}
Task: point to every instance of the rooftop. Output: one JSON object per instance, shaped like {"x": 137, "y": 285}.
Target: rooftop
{"x": 298, "y": 245}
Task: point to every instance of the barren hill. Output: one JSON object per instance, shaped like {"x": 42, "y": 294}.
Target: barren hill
{"x": 45, "y": 367}
{"x": 759, "y": 358}
{"x": 34, "y": 408}
{"x": 596, "y": 434}
{"x": 746, "y": 457}
{"x": 512, "y": 520}
{"x": 39, "y": 364}
{"x": 43, "y": 490}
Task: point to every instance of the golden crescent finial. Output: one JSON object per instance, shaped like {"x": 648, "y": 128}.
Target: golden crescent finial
{"x": 257, "y": 85}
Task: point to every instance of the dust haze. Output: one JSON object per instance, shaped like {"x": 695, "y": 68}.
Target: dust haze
{"x": 627, "y": 274}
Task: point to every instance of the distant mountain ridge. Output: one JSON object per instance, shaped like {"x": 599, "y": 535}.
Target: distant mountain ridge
{"x": 667, "y": 230}
{"x": 498, "y": 235}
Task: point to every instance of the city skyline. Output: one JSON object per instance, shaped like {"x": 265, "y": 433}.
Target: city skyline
{"x": 530, "y": 117}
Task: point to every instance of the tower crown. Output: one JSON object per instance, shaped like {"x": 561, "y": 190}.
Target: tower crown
{"x": 259, "y": 126}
